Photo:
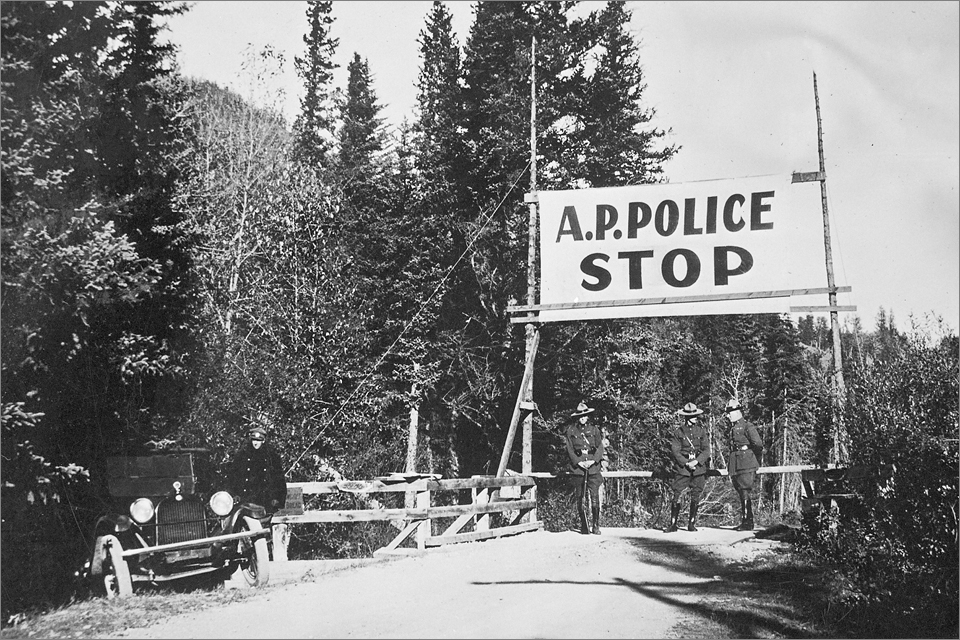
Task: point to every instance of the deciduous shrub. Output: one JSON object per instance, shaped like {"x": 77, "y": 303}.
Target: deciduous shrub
{"x": 898, "y": 549}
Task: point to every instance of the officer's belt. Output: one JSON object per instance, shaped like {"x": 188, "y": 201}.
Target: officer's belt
{"x": 586, "y": 452}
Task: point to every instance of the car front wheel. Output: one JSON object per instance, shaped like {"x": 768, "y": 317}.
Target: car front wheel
{"x": 255, "y": 562}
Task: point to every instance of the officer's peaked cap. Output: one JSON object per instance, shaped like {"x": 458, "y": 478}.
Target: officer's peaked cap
{"x": 733, "y": 405}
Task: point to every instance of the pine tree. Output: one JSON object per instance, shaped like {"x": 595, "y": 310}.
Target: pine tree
{"x": 314, "y": 125}
{"x": 100, "y": 185}
{"x": 440, "y": 147}
{"x": 361, "y": 134}
{"x": 619, "y": 141}
{"x": 96, "y": 292}
{"x": 51, "y": 84}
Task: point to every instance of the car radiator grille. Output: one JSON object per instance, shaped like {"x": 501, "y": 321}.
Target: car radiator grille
{"x": 179, "y": 521}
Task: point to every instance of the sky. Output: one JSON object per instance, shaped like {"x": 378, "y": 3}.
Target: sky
{"x": 733, "y": 82}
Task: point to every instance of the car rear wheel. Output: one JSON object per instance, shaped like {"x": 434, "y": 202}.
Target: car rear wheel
{"x": 116, "y": 571}
{"x": 255, "y": 564}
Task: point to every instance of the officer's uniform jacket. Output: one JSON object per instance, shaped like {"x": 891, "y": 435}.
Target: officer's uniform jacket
{"x": 687, "y": 441}
{"x": 746, "y": 448}
{"x": 256, "y": 475}
{"x": 584, "y": 442}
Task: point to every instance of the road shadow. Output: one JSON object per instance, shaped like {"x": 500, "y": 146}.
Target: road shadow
{"x": 765, "y": 595}
{"x": 769, "y": 592}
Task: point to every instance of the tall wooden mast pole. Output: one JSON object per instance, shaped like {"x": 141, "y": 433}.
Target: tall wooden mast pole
{"x": 524, "y": 404}
{"x": 531, "y": 328}
{"x": 839, "y": 389}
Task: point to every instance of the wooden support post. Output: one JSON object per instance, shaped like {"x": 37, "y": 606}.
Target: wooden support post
{"x": 281, "y": 538}
{"x": 531, "y": 494}
{"x": 408, "y": 499}
{"x": 515, "y": 419}
{"x": 839, "y": 387}
{"x": 783, "y": 478}
{"x": 425, "y": 530}
{"x": 532, "y": 330}
{"x": 481, "y": 497}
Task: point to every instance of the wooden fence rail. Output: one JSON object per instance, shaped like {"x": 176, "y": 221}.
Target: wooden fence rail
{"x": 514, "y": 495}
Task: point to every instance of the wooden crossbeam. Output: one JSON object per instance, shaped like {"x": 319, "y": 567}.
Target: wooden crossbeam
{"x": 458, "y": 524}
{"x": 753, "y": 295}
{"x": 375, "y": 486}
{"x": 809, "y": 176}
{"x": 822, "y": 308}
{"x": 435, "y": 541}
{"x": 373, "y": 515}
{"x": 403, "y": 535}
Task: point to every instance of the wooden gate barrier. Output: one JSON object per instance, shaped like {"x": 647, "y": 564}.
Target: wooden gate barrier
{"x": 489, "y": 494}
{"x": 515, "y": 495}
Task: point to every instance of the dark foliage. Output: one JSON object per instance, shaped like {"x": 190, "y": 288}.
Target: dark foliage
{"x": 897, "y": 546}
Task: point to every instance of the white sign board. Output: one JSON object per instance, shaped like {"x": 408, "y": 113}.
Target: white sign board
{"x": 695, "y": 248}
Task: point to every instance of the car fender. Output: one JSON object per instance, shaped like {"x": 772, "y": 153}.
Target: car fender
{"x": 112, "y": 523}
{"x": 252, "y": 511}
{"x": 100, "y": 552}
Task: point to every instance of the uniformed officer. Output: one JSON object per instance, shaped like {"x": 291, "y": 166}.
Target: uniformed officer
{"x": 690, "y": 451}
{"x": 585, "y": 449}
{"x": 746, "y": 447}
{"x": 256, "y": 473}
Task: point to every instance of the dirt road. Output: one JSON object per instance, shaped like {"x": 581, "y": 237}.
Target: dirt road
{"x": 625, "y": 583}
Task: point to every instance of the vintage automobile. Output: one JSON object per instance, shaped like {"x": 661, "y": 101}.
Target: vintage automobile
{"x": 164, "y": 527}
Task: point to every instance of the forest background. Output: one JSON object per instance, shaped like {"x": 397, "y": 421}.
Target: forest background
{"x": 179, "y": 263}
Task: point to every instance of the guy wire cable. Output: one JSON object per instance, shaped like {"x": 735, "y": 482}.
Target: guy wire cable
{"x": 411, "y": 321}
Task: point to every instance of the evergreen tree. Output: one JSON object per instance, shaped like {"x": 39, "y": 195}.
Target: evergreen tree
{"x": 103, "y": 183}
{"x": 432, "y": 213}
{"x": 620, "y": 143}
{"x": 51, "y": 84}
{"x": 361, "y": 134}
{"x": 440, "y": 147}
{"x": 314, "y": 125}
{"x": 96, "y": 291}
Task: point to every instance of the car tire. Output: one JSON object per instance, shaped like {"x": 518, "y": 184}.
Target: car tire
{"x": 116, "y": 572}
{"x": 255, "y": 564}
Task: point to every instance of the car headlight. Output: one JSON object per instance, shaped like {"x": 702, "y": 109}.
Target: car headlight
{"x": 221, "y": 502}
{"x": 142, "y": 510}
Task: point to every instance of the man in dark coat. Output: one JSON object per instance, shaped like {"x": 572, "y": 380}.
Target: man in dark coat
{"x": 585, "y": 450}
{"x": 746, "y": 447}
{"x": 256, "y": 473}
{"x": 690, "y": 452}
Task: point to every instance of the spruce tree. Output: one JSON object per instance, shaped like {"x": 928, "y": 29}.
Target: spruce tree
{"x": 440, "y": 148}
{"x": 361, "y": 135}
{"x": 620, "y": 144}
{"x": 314, "y": 126}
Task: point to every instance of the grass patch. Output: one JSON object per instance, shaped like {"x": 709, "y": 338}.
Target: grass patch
{"x": 98, "y": 617}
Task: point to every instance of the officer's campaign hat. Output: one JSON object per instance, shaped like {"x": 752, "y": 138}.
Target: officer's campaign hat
{"x": 690, "y": 409}
{"x": 582, "y": 410}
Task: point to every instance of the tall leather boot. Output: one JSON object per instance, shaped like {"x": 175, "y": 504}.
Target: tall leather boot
{"x": 743, "y": 515}
{"x": 692, "y": 524}
{"x": 674, "y": 516}
{"x": 596, "y": 520}
{"x": 746, "y": 517}
{"x": 583, "y": 519}
{"x": 748, "y": 522}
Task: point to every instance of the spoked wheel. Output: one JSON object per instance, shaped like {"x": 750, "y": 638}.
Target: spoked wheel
{"x": 116, "y": 571}
{"x": 255, "y": 564}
